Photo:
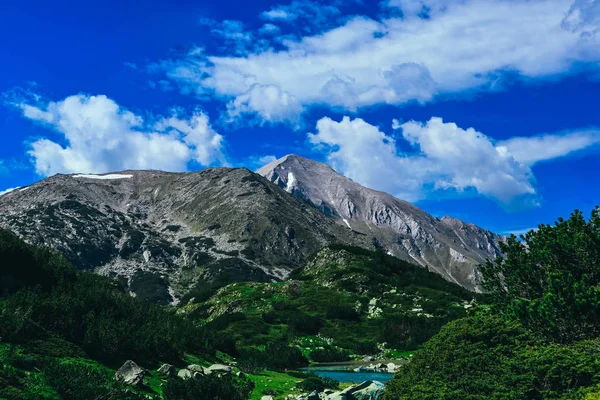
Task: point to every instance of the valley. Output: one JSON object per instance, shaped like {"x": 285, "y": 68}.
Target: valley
{"x": 223, "y": 284}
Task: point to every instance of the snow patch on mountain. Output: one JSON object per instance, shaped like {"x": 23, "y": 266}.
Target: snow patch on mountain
{"x": 290, "y": 182}
{"x": 104, "y": 177}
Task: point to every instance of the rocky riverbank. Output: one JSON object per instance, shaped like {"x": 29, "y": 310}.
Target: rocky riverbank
{"x": 368, "y": 390}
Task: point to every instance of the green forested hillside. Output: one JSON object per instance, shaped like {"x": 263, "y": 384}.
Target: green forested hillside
{"x": 346, "y": 302}
{"x": 540, "y": 338}
{"x": 63, "y": 334}
{"x": 535, "y": 334}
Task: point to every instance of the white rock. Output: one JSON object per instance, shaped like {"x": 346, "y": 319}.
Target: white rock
{"x": 184, "y": 374}
{"x": 130, "y": 373}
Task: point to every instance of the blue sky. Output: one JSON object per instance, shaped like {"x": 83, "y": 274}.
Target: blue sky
{"x": 485, "y": 111}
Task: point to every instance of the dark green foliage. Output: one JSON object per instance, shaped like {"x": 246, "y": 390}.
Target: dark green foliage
{"x": 276, "y": 356}
{"x": 87, "y": 310}
{"x": 24, "y": 265}
{"x": 208, "y": 387}
{"x": 25, "y": 376}
{"x": 313, "y": 382}
{"x": 407, "y": 331}
{"x": 304, "y": 323}
{"x": 59, "y": 318}
{"x": 76, "y": 380}
{"x": 329, "y": 354}
{"x": 54, "y": 347}
{"x": 151, "y": 287}
{"x": 486, "y": 357}
{"x": 224, "y": 320}
{"x": 359, "y": 346}
{"x": 317, "y": 302}
{"x": 551, "y": 282}
{"x": 343, "y": 311}
{"x": 200, "y": 293}
{"x": 379, "y": 267}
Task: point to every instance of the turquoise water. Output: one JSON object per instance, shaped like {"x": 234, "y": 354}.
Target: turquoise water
{"x": 346, "y": 376}
{"x": 345, "y": 373}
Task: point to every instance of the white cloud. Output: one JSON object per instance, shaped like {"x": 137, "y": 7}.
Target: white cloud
{"x": 278, "y": 14}
{"x": 461, "y": 46}
{"x": 264, "y": 160}
{"x": 269, "y": 29}
{"x": 530, "y": 150}
{"x": 443, "y": 156}
{"x": 5, "y": 191}
{"x": 98, "y": 136}
{"x": 583, "y": 17}
{"x": 519, "y": 232}
{"x": 412, "y": 8}
{"x": 268, "y": 102}
{"x": 310, "y": 14}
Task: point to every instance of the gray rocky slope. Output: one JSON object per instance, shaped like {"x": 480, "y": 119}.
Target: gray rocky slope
{"x": 448, "y": 246}
{"x": 164, "y": 233}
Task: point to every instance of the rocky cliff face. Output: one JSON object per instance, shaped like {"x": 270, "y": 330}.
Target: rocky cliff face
{"x": 448, "y": 246}
{"x": 163, "y": 233}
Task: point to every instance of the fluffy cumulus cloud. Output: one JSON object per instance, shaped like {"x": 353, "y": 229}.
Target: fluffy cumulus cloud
{"x": 532, "y": 150}
{"x": 583, "y": 17}
{"x": 428, "y": 49}
{"x": 311, "y": 14}
{"x": 96, "y": 135}
{"x": 268, "y": 102}
{"x": 442, "y": 156}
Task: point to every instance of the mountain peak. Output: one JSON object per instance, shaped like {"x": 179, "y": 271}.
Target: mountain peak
{"x": 449, "y": 246}
{"x": 295, "y": 159}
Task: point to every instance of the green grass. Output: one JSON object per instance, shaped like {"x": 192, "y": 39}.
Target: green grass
{"x": 154, "y": 382}
{"x": 282, "y": 383}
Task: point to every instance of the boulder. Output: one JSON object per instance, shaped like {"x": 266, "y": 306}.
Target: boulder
{"x": 368, "y": 390}
{"x": 220, "y": 368}
{"x": 391, "y": 367}
{"x": 184, "y": 373}
{"x": 313, "y": 396}
{"x": 195, "y": 368}
{"x": 166, "y": 370}
{"x": 266, "y": 398}
{"x": 130, "y": 373}
{"x": 198, "y": 375}
{"x": 337, "y": 396}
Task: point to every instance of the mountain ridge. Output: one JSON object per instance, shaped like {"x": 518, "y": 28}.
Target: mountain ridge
{"x": 163, "y": 233}
{"x": 447, "y": 245}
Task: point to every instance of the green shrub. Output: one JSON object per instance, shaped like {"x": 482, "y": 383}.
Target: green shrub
{"x": 90, "y": 311}
{"x": 208, "y": 387}
{"x": 276, "y": 356}
{"x": 304, "y": 323}
{"x": 329, "y": 355}
{"x": 551, "y": 282}
{"x": 486, "y": 357}
{"x": 313, "y": 382}
{"x": 342, "y": 311}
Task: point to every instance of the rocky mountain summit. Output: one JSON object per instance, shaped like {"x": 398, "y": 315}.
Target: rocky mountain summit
{"x": 448, "y": 246}
{"x": 163, "y": 234}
